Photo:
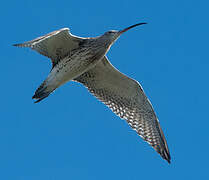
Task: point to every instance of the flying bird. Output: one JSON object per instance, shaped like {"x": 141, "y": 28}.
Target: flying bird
{"x": 84, "y": 60}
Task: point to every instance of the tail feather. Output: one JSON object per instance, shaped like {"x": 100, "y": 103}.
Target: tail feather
{"x": 42, "y": 92}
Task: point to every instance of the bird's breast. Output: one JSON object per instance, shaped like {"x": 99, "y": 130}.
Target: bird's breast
{"x": 77, "y": 62}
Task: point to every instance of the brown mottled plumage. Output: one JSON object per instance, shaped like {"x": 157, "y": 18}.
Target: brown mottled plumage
{"x": 84, "y": 60}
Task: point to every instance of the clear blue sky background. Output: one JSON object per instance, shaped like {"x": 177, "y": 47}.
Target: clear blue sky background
{"x": 71, "y": 135}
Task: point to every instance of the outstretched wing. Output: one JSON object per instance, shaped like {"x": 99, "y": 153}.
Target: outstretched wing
{"x": 54, "y": 45}
{"x": 125, "y": 97}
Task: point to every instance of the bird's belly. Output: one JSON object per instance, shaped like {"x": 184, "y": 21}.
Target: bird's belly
{"x": 73, "y": 66}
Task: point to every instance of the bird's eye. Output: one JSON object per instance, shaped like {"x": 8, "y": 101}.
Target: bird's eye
{"x": 109, "y": 32}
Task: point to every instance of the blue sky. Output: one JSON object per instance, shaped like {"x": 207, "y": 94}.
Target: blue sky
{"x": 71, "y": 135}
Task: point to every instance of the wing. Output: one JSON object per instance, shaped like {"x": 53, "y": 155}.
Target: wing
{"x": 125, "y": 97}
{"x": 54, "y": 45}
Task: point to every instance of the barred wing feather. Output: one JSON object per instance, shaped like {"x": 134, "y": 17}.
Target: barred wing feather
{"x": 55, "y": 45}
{"x": 125, "y": 97}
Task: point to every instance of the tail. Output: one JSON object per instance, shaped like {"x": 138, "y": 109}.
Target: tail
{"x": 42, "y": 92}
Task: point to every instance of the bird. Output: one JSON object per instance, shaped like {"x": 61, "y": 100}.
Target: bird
{"x": 84, "y": 60}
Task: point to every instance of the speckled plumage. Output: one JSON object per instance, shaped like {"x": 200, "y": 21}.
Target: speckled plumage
{"x": 83, "y": 60}
{"x": 126, "y": 98}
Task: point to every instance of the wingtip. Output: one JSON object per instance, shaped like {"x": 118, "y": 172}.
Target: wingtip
{"x": 15, "y": 45}
{"x": 165, "y": 154}
{"x": 168, "y": 158}
{"x": 18, "y": 45}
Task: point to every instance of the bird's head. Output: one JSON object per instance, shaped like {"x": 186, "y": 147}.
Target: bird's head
{"x": 111, "y": 36}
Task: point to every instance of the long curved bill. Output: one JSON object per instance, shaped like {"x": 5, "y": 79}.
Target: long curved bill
{"x": 130, "y": 27}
